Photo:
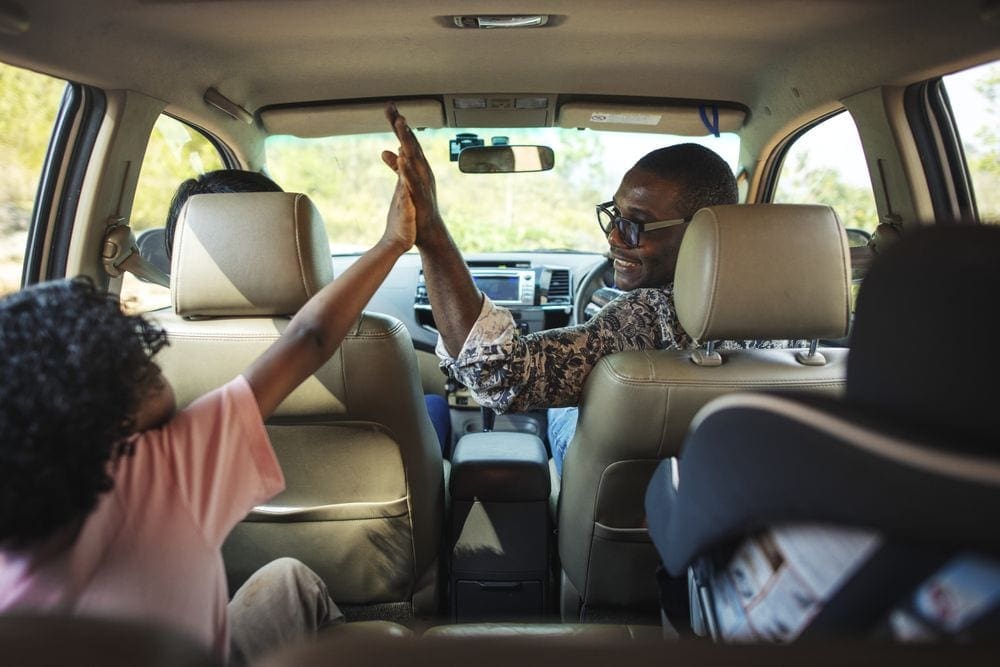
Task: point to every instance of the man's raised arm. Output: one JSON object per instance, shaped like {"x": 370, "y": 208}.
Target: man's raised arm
{"x": 455, "y": 300}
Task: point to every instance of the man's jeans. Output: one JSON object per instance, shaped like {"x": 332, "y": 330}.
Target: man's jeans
{"x": 562, "y": 426}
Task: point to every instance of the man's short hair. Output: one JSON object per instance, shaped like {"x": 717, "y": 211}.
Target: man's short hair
{"x": 703, "y": 176}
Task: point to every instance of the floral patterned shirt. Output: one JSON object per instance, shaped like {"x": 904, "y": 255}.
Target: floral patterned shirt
{"x": 512, "y": 372}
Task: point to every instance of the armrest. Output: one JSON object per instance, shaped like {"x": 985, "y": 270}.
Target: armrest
{"x": 500, "y": 466}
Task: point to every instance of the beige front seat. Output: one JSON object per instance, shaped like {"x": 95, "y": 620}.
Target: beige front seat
{"x": 365, "y": 495}
{"x": 746, "y": 272}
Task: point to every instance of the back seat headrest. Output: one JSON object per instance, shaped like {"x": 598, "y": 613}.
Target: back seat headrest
{"x": 763, "y": 271}
{"x": 259, "y": 253}
{"x": 926, "y": 318}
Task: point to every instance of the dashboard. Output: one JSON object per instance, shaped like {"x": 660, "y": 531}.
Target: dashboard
{"x": 537, "y": 287}
{"x": 538, "y": 295}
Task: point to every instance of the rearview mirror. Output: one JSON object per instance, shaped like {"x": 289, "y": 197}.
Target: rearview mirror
{"x": 857, "y": 237}
{"x": 505, "y": 159}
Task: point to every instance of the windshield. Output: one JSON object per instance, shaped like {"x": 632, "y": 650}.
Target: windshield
{"x": 551, "y": 210}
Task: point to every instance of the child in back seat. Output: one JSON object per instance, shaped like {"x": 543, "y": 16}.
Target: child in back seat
{"x": 112, "y": 503}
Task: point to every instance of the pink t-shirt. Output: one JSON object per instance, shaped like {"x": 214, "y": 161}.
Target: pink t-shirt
{"x": 151, "y": 547}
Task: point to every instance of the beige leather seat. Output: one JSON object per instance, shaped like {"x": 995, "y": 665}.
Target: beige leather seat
{"x": 365, "y": 498}
{"x": 745, "y": 272}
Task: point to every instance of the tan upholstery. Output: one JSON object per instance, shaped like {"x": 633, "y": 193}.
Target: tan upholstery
{"x": 375, "y": 631}
{"x": 278, "y": 258}
{"x": 636, "y": 406}
{"x": 764, "y": 271}
{"x": 364, "y": 500}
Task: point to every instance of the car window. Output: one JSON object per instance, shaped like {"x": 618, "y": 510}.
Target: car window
{"x": 175, "y": 152}
{"x": 826, "y": 165}
{"x": 29, "y": 103}
{"x": 975, "y": 103}
{"x": 485, "y": 212}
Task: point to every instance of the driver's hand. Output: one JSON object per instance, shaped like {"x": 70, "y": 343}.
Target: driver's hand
{"x": 415, "y": 173}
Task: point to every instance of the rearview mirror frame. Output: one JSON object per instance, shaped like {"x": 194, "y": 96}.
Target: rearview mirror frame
{"x": 505, "y": 159}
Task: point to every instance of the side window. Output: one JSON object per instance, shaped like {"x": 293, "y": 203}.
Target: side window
{"x": 175, "y": 153}
{"x": 975, "y": 103}
{"x": 29, "y": 103}
{"x": 826, "y": 165}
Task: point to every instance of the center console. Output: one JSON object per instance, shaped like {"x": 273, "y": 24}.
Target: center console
{"x": 500, "y": 527}
{"x": 500, "y": 535}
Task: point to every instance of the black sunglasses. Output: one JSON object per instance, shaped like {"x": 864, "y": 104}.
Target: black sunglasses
{"x": 609, "y": 218}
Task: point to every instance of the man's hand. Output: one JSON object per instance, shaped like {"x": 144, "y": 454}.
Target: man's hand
{"x": 454, "y": 297}
{"x": 416, "y": 174}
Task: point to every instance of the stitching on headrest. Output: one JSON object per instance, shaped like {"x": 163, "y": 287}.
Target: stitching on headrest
{"x": 845, "y": 266}
{"x": 178, "y": 244}
{"x": 716, "y": 302}
{"x": 707, "y": 326}
{"x": 298, "y": 244}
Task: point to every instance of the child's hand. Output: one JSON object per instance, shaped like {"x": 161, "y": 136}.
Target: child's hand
{"x": 319, "y": 327}
{"x": 401, "y": 221}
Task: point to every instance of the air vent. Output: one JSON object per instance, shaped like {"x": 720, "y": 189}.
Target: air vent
{"x": 559, "y": 286}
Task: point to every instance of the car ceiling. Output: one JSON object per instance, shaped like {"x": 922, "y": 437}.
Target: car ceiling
{"x": 780, "y": 58}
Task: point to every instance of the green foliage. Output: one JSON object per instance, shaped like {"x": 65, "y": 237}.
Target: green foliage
{"x": 29, "y": 103}
{"x": 826, "y": 165}
{"x": 804, "y": 182}
{"x": 175, "y": 152}
{"x": 983, "y": 153}
{"x": 28, "y": 106}
{"x": 484, "y": 212}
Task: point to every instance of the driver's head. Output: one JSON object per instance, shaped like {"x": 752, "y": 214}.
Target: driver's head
{"x": 666, "y": 184}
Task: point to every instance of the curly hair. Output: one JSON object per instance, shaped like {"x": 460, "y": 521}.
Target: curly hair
{"x": 704, "y": 177}
{"x": 75, "y": 369}
{"x": 220, "y": 181}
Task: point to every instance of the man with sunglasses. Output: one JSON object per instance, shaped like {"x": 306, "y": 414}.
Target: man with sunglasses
{"x": 480, "y": 345}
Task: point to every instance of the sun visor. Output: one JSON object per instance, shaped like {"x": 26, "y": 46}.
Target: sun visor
{"x": 687, "y": 120}
{"x": 356, "y": 118}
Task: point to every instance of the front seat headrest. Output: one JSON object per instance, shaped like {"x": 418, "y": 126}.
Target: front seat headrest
{"x": 252, "y": 253}
{"x": 763, "y": 271}
{"x": 922, "y": 343}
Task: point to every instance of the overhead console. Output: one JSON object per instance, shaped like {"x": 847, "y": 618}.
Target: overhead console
{"x": 539, "y": 297}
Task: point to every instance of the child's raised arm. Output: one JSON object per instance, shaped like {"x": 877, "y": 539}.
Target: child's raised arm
{"x": 319, "y": 327}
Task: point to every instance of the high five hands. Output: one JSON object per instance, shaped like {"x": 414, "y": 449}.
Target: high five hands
{"x": 456, "y": 300}
{"x": 415, "y": 177}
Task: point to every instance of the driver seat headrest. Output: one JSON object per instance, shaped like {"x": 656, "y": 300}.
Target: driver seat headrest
{"x": 763, "y": 271}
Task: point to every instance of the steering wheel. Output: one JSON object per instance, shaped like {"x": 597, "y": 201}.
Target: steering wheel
{"x": 594, "y": 291}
